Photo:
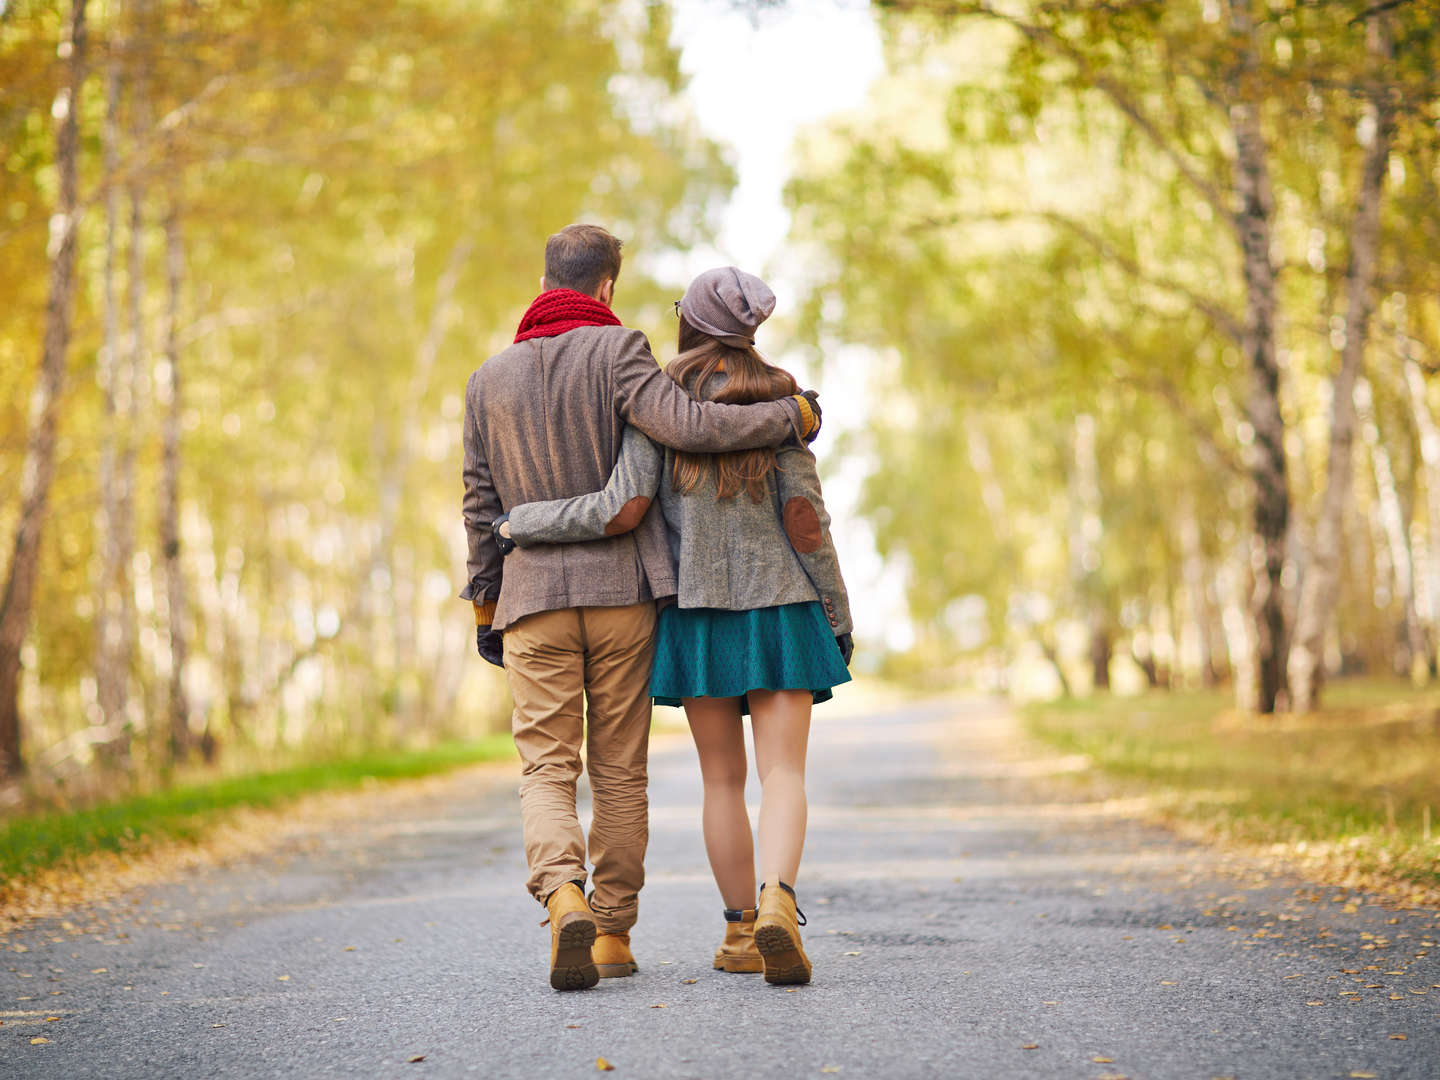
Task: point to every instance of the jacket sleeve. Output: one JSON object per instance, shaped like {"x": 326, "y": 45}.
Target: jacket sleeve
{"x": 807, "y": 525}
{"x": 652, "y": 401}
{"x": 618, "y": 509}
{"x": 480, "y": 506}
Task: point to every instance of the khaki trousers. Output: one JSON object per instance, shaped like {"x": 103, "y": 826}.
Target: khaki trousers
{"x": 552, "y": 658}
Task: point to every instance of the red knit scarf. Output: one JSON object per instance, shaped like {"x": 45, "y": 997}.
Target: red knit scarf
{"x": 558, "y": 310}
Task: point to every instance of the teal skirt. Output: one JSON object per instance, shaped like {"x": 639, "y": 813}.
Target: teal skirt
{"x": 707, "y": 652}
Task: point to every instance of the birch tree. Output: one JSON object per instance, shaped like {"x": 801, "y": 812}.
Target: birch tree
{"x": 1319, "y": 589}
{"x": 45, "y": 402}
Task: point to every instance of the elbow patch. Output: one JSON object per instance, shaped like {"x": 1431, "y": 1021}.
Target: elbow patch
{"x": 802, "y": 525}
{"x": 628, "y": 517}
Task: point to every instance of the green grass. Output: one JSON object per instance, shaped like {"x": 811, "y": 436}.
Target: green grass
{"x": 1353, "y": 781}
{"x": 31, "y": 842}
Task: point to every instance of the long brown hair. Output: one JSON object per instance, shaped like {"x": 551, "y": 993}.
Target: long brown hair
{"x": 748, "y": 379}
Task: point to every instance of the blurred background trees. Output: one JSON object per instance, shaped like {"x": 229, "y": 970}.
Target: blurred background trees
{"x": 1155, "y": 254}
{"x": 1146, "y": 292}
{"x": 251, "y": 252}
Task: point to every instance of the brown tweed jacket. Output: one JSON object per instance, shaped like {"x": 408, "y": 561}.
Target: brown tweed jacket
{"x": 543, "y": 420}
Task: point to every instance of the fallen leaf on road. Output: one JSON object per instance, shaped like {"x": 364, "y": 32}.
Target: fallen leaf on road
{"x": 282, "y": 978}
{"x": 99, "y": 971}
{"x": 659, "y": 1006}
{"x": 1049, "y": 1003}
{"x": 687, "y": 982}
{"x": 1030, "y": 1046}
{"x": 1374, "y": 986}
{"x": 1102, "y": 1060}
{"x": 1358, "y": 1075}
{"x": 604, "y": 1066}
{"x": 217, "y": 1025}
{"x": 1397, "y": 997}
{"x": 413, "y": 1060}
{"x": 349, "y": 948}
{"x": 1314, "y": 1003}
{"x": 853, "y": 952}
{"x": 1301, "y": 975}
{"x": 1166, "y": 983}
{"x": 830, "y": 1068}
{"x": 1398, "y": 1036}
{"x": 38, "y": 1040}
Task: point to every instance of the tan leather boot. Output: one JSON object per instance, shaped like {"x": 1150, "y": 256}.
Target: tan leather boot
{"x": 737, "y": 953}
{"x": 777, "y": 935}
{"x": 572, "y": 932}
{"x": 613, "y": 958}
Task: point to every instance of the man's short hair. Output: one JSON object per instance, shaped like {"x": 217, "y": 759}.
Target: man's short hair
{"x": 580, "y": 257}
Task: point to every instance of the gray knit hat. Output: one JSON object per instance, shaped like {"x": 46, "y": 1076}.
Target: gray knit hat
{"x": 728, "y": 304}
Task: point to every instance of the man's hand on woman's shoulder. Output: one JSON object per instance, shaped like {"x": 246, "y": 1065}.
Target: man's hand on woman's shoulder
{"x": 808, "y": 403}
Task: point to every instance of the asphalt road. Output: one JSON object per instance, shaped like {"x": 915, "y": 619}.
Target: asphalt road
{"x": 970, "y": 916}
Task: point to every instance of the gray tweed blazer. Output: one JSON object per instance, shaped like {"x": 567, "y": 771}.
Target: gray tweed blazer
{"x": 730, "y": 553}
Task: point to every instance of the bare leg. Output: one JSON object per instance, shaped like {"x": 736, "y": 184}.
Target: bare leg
{"x": 781, "y": 722}
{"x": 720, "y": 740}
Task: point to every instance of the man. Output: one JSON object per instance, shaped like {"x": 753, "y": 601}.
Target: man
{"x": 543, "y": 420}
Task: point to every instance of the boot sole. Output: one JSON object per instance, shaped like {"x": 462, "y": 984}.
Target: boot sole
{"x": 573, "y": 967}
{"x": 785, "y": 963}
{"x": 740, "y": 966}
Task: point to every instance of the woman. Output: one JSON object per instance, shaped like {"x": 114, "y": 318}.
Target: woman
{"x": 762, "y": 624}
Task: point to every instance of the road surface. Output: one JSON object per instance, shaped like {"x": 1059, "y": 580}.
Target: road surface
{"x": 971, "y": 915}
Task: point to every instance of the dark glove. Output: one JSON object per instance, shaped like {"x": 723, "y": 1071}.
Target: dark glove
{"x": 504, "y": 543}
{"x": 489, "y": 643}
{"x": 813, "y": 396}
{"x": 847, "y": 647}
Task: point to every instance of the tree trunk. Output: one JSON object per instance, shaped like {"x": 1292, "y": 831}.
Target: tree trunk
{"x": 1194, "y": 574}
{"x": 170, "y": 384}
{"x": 39, "y": 467}
{"x": 1100, "y": 650}
{"x": 1253, "y": 223}
{"x": 112, "y": 667}
{"x": 1086, "y": 529}
{"x": 133, "y": 382}
{"x": 1320, "y": 589}
{"x": 1430, "y": 455}
{"x": 1144, "y": 655}
{"x": 1240, "y": 627}
{"x": 1051, "y": 653}
{"x": 1397, "y": 535}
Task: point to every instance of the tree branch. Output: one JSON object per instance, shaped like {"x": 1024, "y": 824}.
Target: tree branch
{"x": 1117, "y": 94}
{"x": 1223, "y": 321}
